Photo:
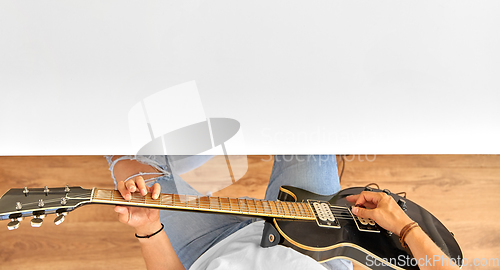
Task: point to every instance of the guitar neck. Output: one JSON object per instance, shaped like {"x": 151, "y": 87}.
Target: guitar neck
{"x": 235, "y": 206}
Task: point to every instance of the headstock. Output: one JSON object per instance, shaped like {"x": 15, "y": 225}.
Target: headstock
{"x": 18, "y": 203}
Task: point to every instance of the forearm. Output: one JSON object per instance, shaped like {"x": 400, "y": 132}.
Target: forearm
{"x": 157, "y": 251}
{"x": 426, "y": 252}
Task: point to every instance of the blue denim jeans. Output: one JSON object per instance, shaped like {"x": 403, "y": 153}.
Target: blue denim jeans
{"x": 192, "y": 233}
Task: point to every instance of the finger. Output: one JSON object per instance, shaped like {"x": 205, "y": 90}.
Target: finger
{"x": 123, "y": 214}
{"x": 139, "y": 181}
{"x": 124, "y": 191}
{"x": 156, "y": 189}
{"x": 363, "y": 212}
{"x": 131, "y": 186}
{"x": 369, "y": 199}
{"x": 352, "y": 198}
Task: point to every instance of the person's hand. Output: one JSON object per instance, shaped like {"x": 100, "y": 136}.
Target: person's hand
{"x": 380, "y": 207}
{"x": 144, "y": 220}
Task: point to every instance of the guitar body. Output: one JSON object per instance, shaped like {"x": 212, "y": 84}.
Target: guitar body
{"x": 369, "y": 248}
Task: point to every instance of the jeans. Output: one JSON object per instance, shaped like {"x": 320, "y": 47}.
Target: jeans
{"x": 192, "y": 233}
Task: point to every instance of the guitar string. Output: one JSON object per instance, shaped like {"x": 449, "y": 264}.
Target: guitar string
{"x": 340, "y": 213}
{"x": 197, "y": 200}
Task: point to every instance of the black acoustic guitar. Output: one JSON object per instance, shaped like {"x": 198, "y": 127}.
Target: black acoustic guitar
{"x": 321, "y": 227}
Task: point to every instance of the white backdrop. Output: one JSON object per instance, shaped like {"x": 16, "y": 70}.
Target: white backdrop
{"x": 299, "y": 76}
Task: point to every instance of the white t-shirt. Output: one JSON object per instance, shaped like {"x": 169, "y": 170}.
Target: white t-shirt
{"x": 242, "y": 250}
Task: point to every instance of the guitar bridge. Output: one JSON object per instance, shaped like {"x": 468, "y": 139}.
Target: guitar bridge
{"x": 324, "y": 213}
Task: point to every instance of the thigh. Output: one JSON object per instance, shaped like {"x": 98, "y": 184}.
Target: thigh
{"x": 192, "y": 233}
{"x": 314, "y": 173}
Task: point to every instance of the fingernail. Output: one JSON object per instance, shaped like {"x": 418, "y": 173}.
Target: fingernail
{"x": 155, "y": 196}
{"x": 132, "y": 189}
{"x": 144, "y": 191}
{"x": 355, "y": 210}
{"x": 128, "y": 197}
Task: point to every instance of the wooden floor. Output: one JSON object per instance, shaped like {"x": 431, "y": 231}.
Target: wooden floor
{"x": 462, "y": 191}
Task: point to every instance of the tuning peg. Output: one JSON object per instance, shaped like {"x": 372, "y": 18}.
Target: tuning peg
{"x": 59, "y": 219}
{"x": 66, "y": 189}
{"x": 36, "y": 222}
{"x": 26, "y": 191}
{"x": 14, "y": 224}
{"x": 38, "y": 219}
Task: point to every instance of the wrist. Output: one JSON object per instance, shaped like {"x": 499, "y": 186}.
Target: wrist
{"x": 401, "y": 225}
{"x": 148, "y": 229}
{"x": 412, "y": 235}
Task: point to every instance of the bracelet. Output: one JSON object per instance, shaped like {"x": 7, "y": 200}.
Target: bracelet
{"x": 405, "y": 231}
{"x": 153, "y": 234}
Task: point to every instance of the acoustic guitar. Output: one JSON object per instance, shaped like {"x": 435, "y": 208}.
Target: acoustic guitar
{"x": 322, "y": 227}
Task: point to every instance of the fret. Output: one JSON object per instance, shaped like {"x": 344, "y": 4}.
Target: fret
{"x": 214, "y": 201}
{"x": 256, "y": 206}
{"x": 225, "y": 204}
{"x": 280, "y": 204}
{"x": 296, "y": 209}
{"x": 112, "y": 196}
{"x": 287, "y": 205}
{"x": 301, "y": 209}
{"x": 271, "y": 204}
{"x": 166, "y": 199}
{"x": 306, "y": 210}
{"x": 229, "y": 201}
{"x": 268, "y": 207}
{"x": 292, "y": 210}
{"x": 287, "y": 208}
{"x": 282, "y": 208}
{"x": 204, "y": 202}
{"x": 248, "y": 204}
{"x": 239, "y": 205}
{"x": 290, "y": 207}
{"x": 191, "y": 201}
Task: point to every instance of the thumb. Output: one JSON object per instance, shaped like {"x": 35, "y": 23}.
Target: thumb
{"x": 362, "y": 212}
{"x": 121, "y": 209}
{"x": 123, "y": 214}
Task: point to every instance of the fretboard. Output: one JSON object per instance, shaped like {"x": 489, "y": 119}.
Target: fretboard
{"x": 237, "y": 206}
